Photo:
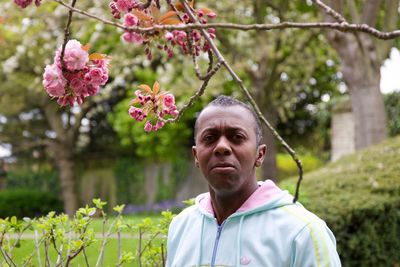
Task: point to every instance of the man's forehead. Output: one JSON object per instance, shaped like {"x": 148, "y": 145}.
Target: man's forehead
{"x": 236, "y": 115}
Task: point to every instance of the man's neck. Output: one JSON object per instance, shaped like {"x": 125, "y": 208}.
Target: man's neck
{"x": 226, "y": 205}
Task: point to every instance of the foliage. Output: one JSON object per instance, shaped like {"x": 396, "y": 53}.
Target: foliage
{"x": 69, "y": 238}
{"x": 392, "y": 105}
{"x": 27, "y": 203}
{"x": 358, "y": 197}
{"x": 130, "y": 179}
{"x": 32, "y": 174}
{"x": 287, "y": 167}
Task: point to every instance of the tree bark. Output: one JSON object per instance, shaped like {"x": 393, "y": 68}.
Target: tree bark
{"x": 360, "y": 66}
{"x": 61, "y": 150}
{"x": 361, "y": 58}
{"x": 266, "y": 104}
{"x": 64, "y": 161}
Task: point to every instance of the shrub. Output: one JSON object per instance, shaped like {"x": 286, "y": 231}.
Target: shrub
{"x": 63, "y": 241}
{"x": 287, "y": 167}
{"x": 359, "y": 198}
{"x": 27, "y": 203}
{"x": 392, "y": 106}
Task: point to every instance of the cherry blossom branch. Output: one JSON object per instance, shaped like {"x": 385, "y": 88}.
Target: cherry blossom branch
{"x": 67, "y": 34}
{"x": 330, "y": 11}
{"x": 342, "y": 26}
{"x": 222, "y": 61}
{"x": 196, "y": 95}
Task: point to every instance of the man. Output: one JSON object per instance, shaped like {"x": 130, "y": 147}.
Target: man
{"x": 241, "y": 222}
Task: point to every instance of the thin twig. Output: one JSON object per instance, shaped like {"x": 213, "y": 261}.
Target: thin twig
{"x": 250, "y": 98}
{"x": 140, "y": 247}
{"x": 103, "y": 234}
{"x": 330, "y": 11}
{"x": 119, "y": 244}
{"x": 86, "y": 258}
{"x": 46, "y": 253}
{"x": 27, "y": 261}
{"x": 105, "y": 241}
{"x": 343, "y": 27}
{"x": 195, "y": 96}
{"x": 7, "y": 257}
{"x": 37, "y": 248}
{"x": 162, "y": 255}
{"x": 67, "y": 34}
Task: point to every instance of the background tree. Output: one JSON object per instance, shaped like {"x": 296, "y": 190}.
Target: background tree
{"x": 361, "y": 57}
{"x": 35, "y": 122}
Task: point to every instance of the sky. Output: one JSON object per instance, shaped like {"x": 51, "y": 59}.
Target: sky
{"x": 390, "y": 81}
{"x": 390, "y": 71}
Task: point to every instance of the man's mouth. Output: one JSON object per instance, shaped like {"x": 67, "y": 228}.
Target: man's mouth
{"x": 223, "y": 166}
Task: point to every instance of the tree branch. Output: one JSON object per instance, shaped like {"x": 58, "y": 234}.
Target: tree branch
{"x": 66, "y": 34}
{"x": 343, "y": 26}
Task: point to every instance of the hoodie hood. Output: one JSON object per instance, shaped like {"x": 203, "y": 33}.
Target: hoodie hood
{"x": 267, "y": 196}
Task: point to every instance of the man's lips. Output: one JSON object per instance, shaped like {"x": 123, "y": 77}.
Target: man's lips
{"x": 222, "y": 166}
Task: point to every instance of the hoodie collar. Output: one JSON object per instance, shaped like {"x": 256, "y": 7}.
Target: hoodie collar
{"x": 266, "y": 192}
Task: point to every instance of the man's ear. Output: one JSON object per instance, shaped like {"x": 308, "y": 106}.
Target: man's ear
{"x": 261, "y": 153}
{"x": 194, "y": 153}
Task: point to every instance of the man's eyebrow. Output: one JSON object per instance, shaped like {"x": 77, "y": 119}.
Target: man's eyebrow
{"x": 215, "y": 129}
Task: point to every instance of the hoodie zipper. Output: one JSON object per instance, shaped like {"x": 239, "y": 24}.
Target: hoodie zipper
{"x": 214, "y": 254}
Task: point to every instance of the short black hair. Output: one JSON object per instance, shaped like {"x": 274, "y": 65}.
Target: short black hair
{"x": 228, "y": 101}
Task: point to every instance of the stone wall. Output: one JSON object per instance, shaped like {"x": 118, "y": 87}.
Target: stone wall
{"x": 342, "y": 127}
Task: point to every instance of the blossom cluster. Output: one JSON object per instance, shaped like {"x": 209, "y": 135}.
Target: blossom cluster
{"x": 80, "y": 77}
{"x": 191, "y": 42}
{"x": 151, "y": 105}
{"x": 25, "y": 3}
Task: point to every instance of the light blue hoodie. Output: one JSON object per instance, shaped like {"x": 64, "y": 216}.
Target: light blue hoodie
{"x": 267, "y": 230}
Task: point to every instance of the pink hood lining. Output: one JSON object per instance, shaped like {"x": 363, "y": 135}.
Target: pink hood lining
{"x": 266, "y": 192}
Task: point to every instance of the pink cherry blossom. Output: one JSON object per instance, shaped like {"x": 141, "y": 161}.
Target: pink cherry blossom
{"x": 148, "y": 127}
{"x": 132, "y": 37}
{"x": 169, "y": 36}
{"x": 174, "y": 113}
{"x": 130, "y": 20}
{"x": 169, "y": 100}
{"x": 23, "y": 3}
{"x": 159, "y": 125}
{"x": 94, "y": 75}
{"x": 53, "y": 81}
{"x": 75, "y": 56}
{"x": 125, "y": 5}
{"x": 211, "y": 15}
{"x": 82, "y": 78}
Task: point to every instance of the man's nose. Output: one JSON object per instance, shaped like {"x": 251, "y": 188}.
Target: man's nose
{"x": 222, "y": 147}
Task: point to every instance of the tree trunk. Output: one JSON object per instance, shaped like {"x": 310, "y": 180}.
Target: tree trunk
{"x": 269, "y": 166}
{"x": 263, "y": 97}
{"x": 66, "y": 167}
{"x": 360, "y": 64}
{"x": 369, "y": 115}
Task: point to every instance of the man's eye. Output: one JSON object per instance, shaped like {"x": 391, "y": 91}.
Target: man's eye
{"x": 238, "y": 137}
{"x": 208, "y": 138}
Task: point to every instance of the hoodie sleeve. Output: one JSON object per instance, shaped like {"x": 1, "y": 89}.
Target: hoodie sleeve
{"x": 315, "y": 246}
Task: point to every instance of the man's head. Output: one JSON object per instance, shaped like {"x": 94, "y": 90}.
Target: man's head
{"x": 227, "y": 101}
{"x": 227, "y": 148}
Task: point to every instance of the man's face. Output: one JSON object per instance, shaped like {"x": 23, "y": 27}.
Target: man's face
{"x": 226, "y": 149}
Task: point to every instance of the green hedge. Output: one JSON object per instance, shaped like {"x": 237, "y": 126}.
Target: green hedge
{"x": 359, "y": 198}
{"x": 27, "y": 203}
